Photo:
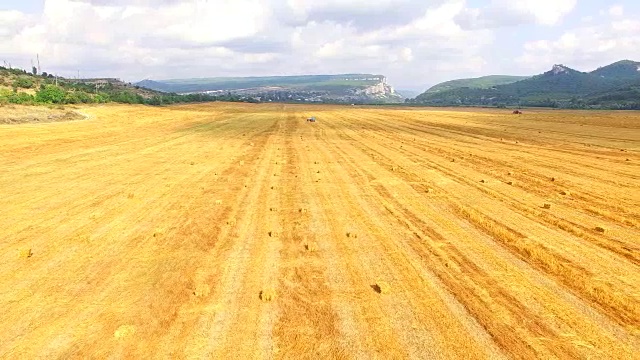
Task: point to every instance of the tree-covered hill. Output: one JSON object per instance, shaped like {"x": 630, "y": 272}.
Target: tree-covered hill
{"x": 613, "y": 86}
{"x": 484, "y": 82}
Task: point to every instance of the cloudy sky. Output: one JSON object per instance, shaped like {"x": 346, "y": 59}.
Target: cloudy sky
{"x": 416, "y": 43}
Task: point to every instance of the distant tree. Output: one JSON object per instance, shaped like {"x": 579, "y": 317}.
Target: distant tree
{"x": 34, "y": 70}
{"x": 44, "y": 74}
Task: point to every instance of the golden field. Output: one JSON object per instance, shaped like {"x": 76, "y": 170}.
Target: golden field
{"x": 237, "y": 231}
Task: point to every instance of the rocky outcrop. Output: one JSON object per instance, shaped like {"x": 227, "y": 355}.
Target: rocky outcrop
{"x": 379, "y": 90}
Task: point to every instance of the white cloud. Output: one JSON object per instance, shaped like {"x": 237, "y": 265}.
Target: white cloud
{"x": 501, "y": 13}
{"x": 411, "y": 41}
{"x": 616, "y": 10}
{"x": 585, "y": 48}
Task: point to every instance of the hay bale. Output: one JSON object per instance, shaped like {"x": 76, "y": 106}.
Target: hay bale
{"x": 483, "y": 181}
{"x": 600, "y": 229}
{"x": 302, "y": 210}
{"x": 546, "y": 206}
{"x": 565, "y": 192}
{"x": 273, "y": 208}
{"x": 124, "y": 331}
{"x": 351, "y": 234}
{"x": 26, "y": 253}
{"x": 509, "y": 182}
{"x": 218, "y": 202}
{"x": 193, "y": 163}
{"x": 241, "y": 162}
{"x": 553, "y": 179}
{"x": 273, "y": 234}
{"x": 510, "y": 173}
{"x": 311, "y": 246}
{"x": 381, "y": 287}
{"x": 268, "y": 295}
{"x": 429, "y": 190}
{"x": 231, "y": 222}
{"x": 130, "y": 195}
{"x": 202, "y": 290}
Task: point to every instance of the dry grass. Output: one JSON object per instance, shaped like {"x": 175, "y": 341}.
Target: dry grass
{"x": 535, "y": 253}
{"x": 124, "y": 331}
{"x": 202, "y": 290}
{"x": 496, "y": 277}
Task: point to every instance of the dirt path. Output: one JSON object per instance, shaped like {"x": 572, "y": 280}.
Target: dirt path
{"x": 241, "y": 231}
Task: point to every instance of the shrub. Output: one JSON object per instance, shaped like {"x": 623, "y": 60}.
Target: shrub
{"x": 23, "y": 82}
{"x": 51, "y": 94}
{"x": 20, "y": 98}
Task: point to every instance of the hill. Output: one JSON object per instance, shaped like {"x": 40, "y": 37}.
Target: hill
{"x": 17, "y": 86}
{"x": 621, "y": 70}
{"x": 612, "y": 86}
{"x": 484, "y": 82}
{"x": 314, "y": 88}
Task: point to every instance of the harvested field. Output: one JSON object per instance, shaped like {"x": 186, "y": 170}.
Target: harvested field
{"x": 238, "y": 231}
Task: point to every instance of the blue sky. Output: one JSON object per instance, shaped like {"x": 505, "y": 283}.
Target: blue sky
{"x": 415, "y": 43}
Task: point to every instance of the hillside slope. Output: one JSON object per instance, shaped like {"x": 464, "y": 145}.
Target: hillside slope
{"x": 621, "y": 70}
{"x": 484, "y": 82}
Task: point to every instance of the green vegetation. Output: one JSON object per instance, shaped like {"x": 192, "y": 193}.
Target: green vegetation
{"x": 485, "y": 82}
{"x": 616, "y": 86}
{"x": 51, "y": 90}
{"x": 24, "y": 82}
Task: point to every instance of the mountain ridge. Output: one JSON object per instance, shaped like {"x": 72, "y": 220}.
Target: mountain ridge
{"x": 610, "y": 86}
{"x": 315, "y": 88}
